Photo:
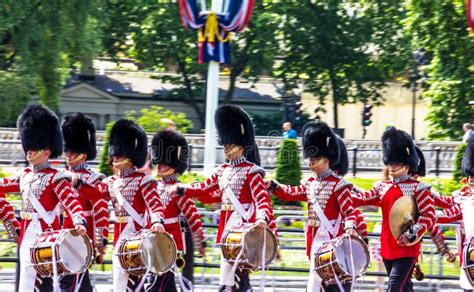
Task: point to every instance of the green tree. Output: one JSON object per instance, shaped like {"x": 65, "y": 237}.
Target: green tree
{"x": 457, "y": 173}
{"x": 327, "y": 45}
{"x": 441, "y": 28}
{"x": 38, "y": 38}
{"x": 151, "y": 33}
{"x": 288, "y": 170}
{"x": 15, "y": 92}
{"x": 151, "y": 119}
{"x": 104, "y": 164}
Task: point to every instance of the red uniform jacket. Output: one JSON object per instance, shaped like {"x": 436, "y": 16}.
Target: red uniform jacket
{"x": 245, "y": 179}
{"x": 384, "y": 194}
{"x": 50, "y": 186}
{"x": 140, "y": 192}
{"x": 93, "y": 200}
{"x": 174, "y": 207}
{"x": 333, "y": 195}
{"x": 7, "y": 216}
{"x": 454, "y": 214}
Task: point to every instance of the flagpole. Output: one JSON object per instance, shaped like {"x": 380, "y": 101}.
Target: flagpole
{"x": 212, "y": 102}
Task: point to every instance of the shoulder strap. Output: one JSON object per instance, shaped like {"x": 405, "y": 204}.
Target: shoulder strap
{"x": 332, "y": 229}
{"x": 45, "y": 215}
{"x": 246, "y": 215}
{"x": 129, "y": 209}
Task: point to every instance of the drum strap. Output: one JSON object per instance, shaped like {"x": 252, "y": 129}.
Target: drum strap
{"x": 245, "y": 214}
{"x": 332, "y": 229}
{"x": 130, "y": 210}
{"x": 48, "y": 217}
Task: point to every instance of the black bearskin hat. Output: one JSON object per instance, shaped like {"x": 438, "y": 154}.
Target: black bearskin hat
{"x": 170, "y": 148}
{"x": 421, "y": 163}
{"x": 234, "y": 126}
{"x": 39, "y": 129}
{"x": 79, "y": 135}
{"x": 468, "y": 159}
{"x": 341, "y": 167}
{"x": 129, "y": 140}
{"x": 320, "y": 141}
{"x": 398, "y": 147}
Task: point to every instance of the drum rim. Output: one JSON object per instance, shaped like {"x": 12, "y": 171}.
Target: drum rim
{"x": 174, "y": 254}
{"x": 140, "y": 234}
{"x": 244, "y": 231}
{"x": 58, "y": 239}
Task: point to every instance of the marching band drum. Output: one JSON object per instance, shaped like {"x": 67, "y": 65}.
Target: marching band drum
{"x": 144, "y": 251}
{"x": 63, "y": 250}
{"x": 245, "y": 243}
{"x": 342, "y": 259}
{"x": 467, "y": 278}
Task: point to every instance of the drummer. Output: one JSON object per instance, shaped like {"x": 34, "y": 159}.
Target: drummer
{"x": 341, "y": 168}
{"x": 169, "y": 153}
{"x": 80, "y": 147}
{"x": 43, "y": 189}
{"x": 455, "y": 213}
{"x": 133, "y": 194}
{"x": 400, "y": 254}
{"x": 237, "y": 184}
{"x": 330, "y": 211}
{"x": 439, "y": 201}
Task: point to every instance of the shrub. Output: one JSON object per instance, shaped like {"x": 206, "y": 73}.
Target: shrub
{"x": 288, "y": 169}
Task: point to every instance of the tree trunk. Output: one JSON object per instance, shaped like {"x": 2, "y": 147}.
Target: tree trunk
{"x": 335, "y": 97}
{"x": 230, "y": 91}
{"x": 192, "y": 98}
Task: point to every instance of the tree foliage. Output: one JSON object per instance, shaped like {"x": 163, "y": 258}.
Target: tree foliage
{"x": 104, "y": 164}
{"x": 288, "y": 170}
{"x": 328, "y": 44}
{"x": 15, "y": 92}
{"x": 441, "y": 28}
{"x": 39, "y": 38}
{"x": 151, "y": 119}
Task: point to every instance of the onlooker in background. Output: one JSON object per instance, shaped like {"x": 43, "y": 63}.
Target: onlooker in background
{"x": 170, "y": 125}
{"x": 468, "y": 135}
{"x": 288, "y": 132}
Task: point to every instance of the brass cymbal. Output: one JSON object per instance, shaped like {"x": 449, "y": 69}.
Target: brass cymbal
{"x": 403, "y": 214}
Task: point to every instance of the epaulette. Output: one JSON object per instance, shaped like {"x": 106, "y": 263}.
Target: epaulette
{"x": 342, "y": 184}
{"x": 94, "y": 177}
{"x": 422, "y": 186}
{"x": 148, "y": 179}
{"x": 61, "y": 175}
{"x": 256, "y": 169}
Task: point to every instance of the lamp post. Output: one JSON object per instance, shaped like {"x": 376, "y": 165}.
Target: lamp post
{"x": 419, "y": 59}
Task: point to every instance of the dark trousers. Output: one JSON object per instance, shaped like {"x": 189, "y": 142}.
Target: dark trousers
{"x": 335, "y": 287}
{"x": 399, "y": 273}
{"x": 68, "y": 283}
{"x": 163, "y": 283}
{"x": 44, "y": 284}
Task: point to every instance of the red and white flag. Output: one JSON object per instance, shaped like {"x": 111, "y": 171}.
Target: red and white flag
{"x": 470, "y": 13}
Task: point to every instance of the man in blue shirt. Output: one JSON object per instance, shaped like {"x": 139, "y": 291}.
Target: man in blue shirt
{"x": 288, "y": 132}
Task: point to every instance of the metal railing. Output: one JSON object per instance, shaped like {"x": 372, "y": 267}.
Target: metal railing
{"x": 291, "y": 240}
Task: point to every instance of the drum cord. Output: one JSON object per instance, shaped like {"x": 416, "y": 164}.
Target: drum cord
{"x": 79, "y": 283}
{"x": 352, "y": 264}
{"x": 148, "y": 265}
{"x": 56, "y": 286}
{"x": 182, "y": 281}
{"x": 264, "y": 248}
{"x": 338, "y": 282}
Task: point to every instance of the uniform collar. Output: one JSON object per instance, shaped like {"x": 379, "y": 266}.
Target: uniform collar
{"x": 401, "y": 178}
{"x": 237, "y": 161}
{"x": 41, "y": 167}
{"x": 325, "y": 174}
{"x": 81, "y": 166}
{"x": 127, "y": 172}
{"x": 170, "y": 178}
